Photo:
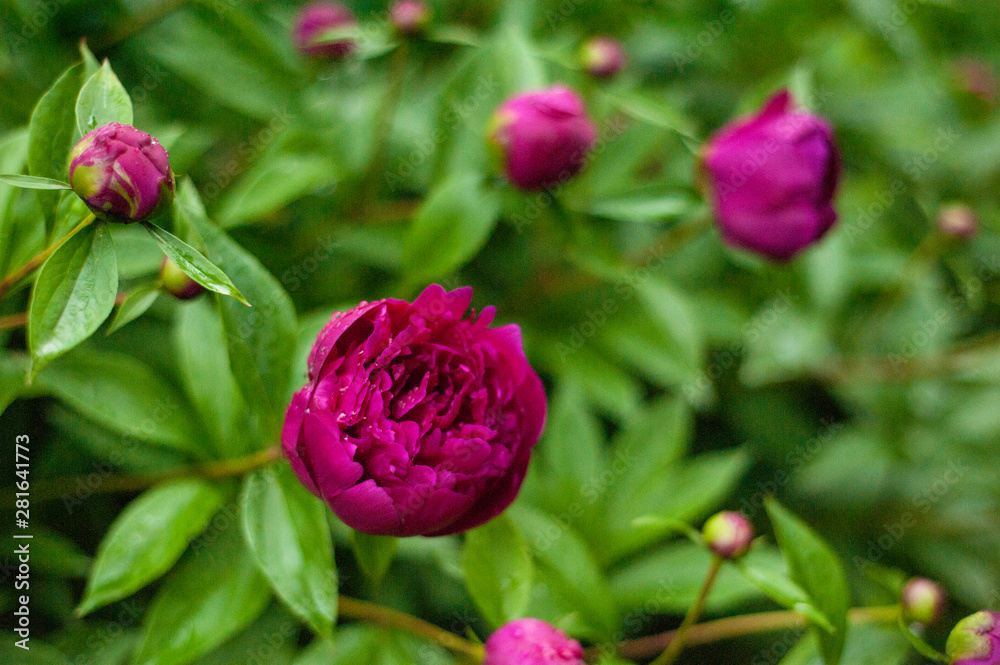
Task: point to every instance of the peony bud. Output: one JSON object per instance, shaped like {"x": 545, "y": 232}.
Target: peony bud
{"x": 728, "y": 534}
{"x": 958, "y": 221}
{"x": 602, "y": 57}
{"x": 531, "y": 642}
{"x": 773, "y": 177}
{"x": 923, "y": 601}
{"x": 313, "y": 21}
{"x": 177, "y": 283}
{"x": 415, "y": 420}
{"x": 544, "y": 137}
{"x": 975, "y": 640}
{"x": 976, "y": 77}
{"x": 410, "y": 17}
{"x": 121, "y": 173}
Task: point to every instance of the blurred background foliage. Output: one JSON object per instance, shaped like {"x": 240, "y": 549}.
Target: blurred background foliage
{"x": 859, "y": 384}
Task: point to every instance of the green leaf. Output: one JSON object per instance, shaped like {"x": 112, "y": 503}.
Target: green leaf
{"x": 13, "y": 378}
{"x": 498, "y": 570}
{"x": 138, "y": 300}
{"x": 193, "y": 264}
{"x": 13, "y": 156}
{"x": 215, "y": 592}
{"x": 374, "y": 553}
{"x": 102, "y": 100}
{"x": 655, "y": 113}
{"x": 919, "y": 644}
{"x": 52, "y": 125}
{"x": 449, "y": 229}
{"x": 274, "y": 182}
{"x": 74, "y": 293}
{"x": 38, "y": 653}
{"x": 261, "y": 340}
{"x": 148, "y": 538}
{"x": 643, "y": 210}
{"x": 816, "y": 568}
{"x": 288, "y": 532}
{"x": 32, "y": 182}
{"x": 124, "y": 395}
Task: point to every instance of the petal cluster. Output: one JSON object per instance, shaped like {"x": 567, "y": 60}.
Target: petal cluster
{"x": 317, "y": 18}
{"x": 121, "y": 173}
{"x": 773, "y": 178}
{"x": 415, "y": 420}
{"x": 545, "y": 137}
{"x": 531, "y": 642}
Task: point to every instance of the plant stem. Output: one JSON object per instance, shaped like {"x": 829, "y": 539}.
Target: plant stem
{"x": 676, "y": 645}
{"x": 56, "y": 488}
{"x": 352, "y": 608}
{"x": 29, "y": 267}
{"x": 740, "y": 626}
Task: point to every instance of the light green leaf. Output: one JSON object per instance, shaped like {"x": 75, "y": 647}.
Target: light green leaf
{"x": 52, "y": 124}
{"x": 643, "y": 209}
{"x": 193, "y": 264}
{"x": 13, "y": 378}
{"x": 74, "y": 293}
{"x": 816, "y": 568}
{"x": 138, "y": 300}
{"x": 32, "y": 182}
{"x": 274, "y": 182}
{"x": 148, "y": 538}
{"x": 102, "y": 100}
{"x": 288, "y": 532}
{"x": 498, "y": 570}
{"x": 374, "y": 553}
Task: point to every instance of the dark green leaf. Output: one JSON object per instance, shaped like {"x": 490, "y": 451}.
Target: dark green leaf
{"x": 74, "y": 293}
{"x": 148, "y": 538}
{"x": 13, "y": 156}
{"x": 816, "y": 568}
{"x": 287, "y": 530}
{"x": 37, "y": 653}
{"x": 32, "y": 182}
{"x": 13, "y": 378}
{"x": 138, "y": 300}
{"x": 498, "y": 570}
{"x": 52, "y": 125}
{"x": 374, "y": 553}
{"x": 193, "y": 264}
{"x": 102, "y": 100}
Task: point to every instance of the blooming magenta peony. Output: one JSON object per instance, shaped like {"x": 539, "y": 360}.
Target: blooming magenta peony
{"x": 544, "y": 136}
{"x": 121, "y": 173}
{"x": 317, "y": 18}
{"x": 773, "y": 177}
{"x": 415, "y": 421}
{"x": 975, "y": 640}
{"x": 603, "y": 57}
{"x": 531, "y": 642}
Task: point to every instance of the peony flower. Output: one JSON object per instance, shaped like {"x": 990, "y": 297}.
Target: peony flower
{"x": 410, "y": 17}
{"x": 602, "y": 57}
{"x": 975, "y": 640}
{"x": 531, "y": 642}
{"x": 773, "y": 177}
{"x": 317, "y": 18}
{"x": 728, "y": 534}
{"x": 415, "y": 421}
{"x": 923, "y": 601}
{"x": 121, "y": 173}
{"x": 177, "y": 283}
{"x": 544, "y": 136}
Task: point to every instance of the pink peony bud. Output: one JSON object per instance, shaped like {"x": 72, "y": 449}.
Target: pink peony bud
{"x": 531, "y": 642}
{"x": 410, "y": 17}
{"x": 121, "y": 173}
{"x": 317, "y": 18}
{"x": 602, "y": 57}
{"x": 728, "y": 534}
{"x": 773, "y": 177}
{"x": 976, "y": 77}
{"x": 958, "y": 221}
{"x": 415, "y": 421}
{"x": 923, "y": 601}
{"x": 975, "y": 640}
{"x": 177, "y": 283}
{"x": 544, "y": 136}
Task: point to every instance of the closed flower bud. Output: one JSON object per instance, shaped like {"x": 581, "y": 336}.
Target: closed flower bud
{"x": 958, "y": 221}
{"x": 121, "y": 173}
{"x": 544, "y": 137}
{"x": 728, "y": 534}
{"x": 177, "y": 283}
{"x": 531, "y": 642}
{"x": 923, "y": 601}
{"x": 415, "y": 420}
{"x": 773, "y": 177}
{"x": 976, "y": 77}
{"x": 313, "y": 21}
{"x": 975, "y": 640}
{"x": 602, "y": 57}
{"x": 410, "y": 17}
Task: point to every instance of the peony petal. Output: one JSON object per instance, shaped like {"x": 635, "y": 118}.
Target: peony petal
{"x": 367, "y": 508}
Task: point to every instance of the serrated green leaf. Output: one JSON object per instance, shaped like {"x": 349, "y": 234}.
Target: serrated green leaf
{"x": 74, "y": 293}
{"x": 287, "y": 530}
{"x": 193, "y": 264}
{"x": 498, "y": 570}
{"x": 148, "y": 538}
{"x": 138, "y": 300}
{"x": 102, "y": 100}
{"x": 374, "y": 553}
{"x": 32, "y": 182}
